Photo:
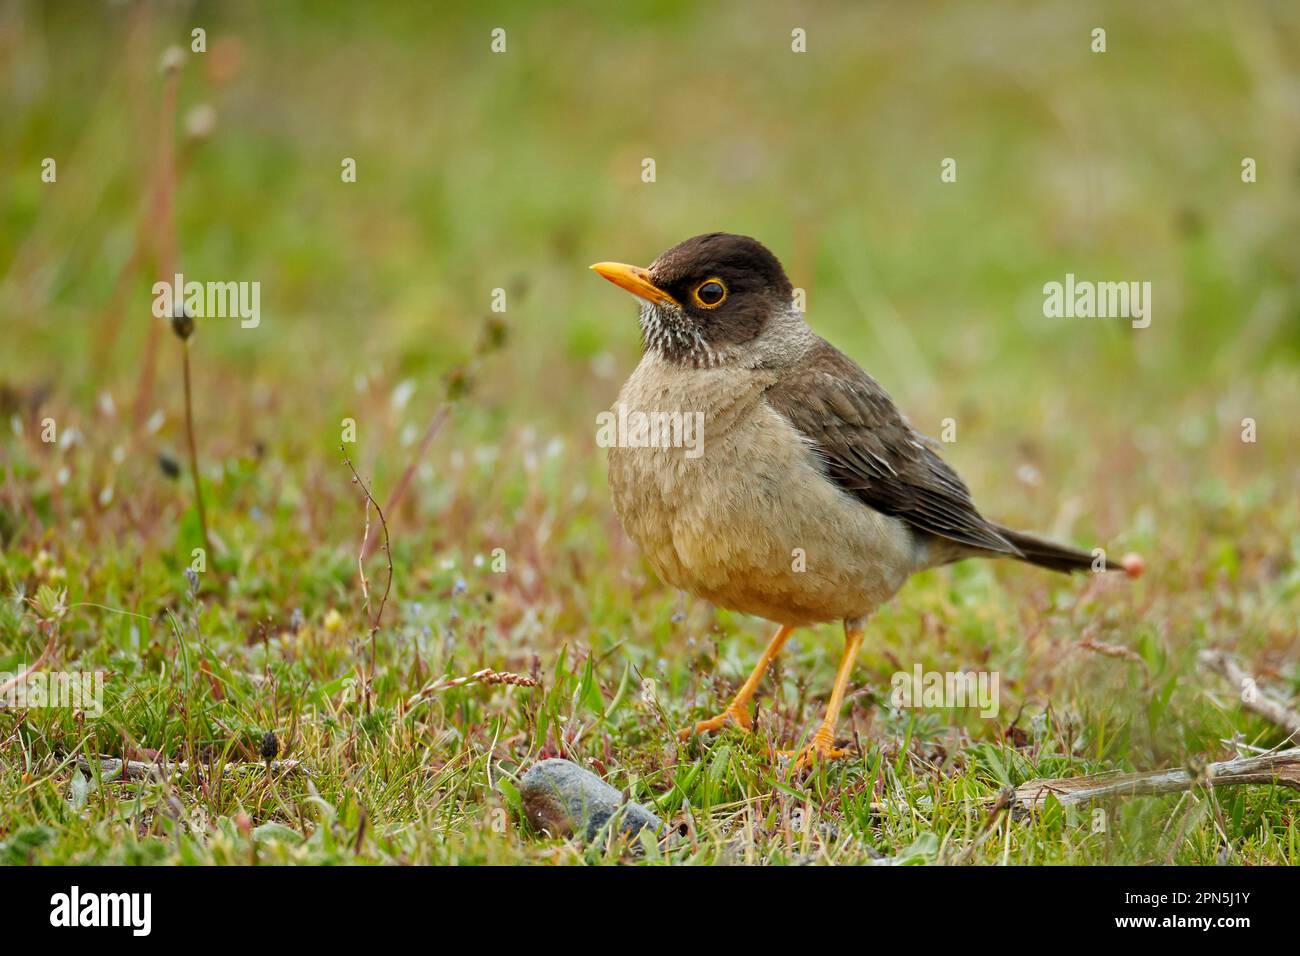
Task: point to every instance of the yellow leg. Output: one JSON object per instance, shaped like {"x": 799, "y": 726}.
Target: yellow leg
{"x": 737, "y": 711}
{"x": 822, "y": 746}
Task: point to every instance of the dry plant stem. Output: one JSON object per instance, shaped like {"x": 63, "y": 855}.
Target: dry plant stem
{"x": 194, "y": 454}
{"x": 1111, "y": 650}
{"x": 399, "y": 490}
{"x": 365, "y": 585}
{"x": 361, "y": 565}
{"x": 167, "y": 769}
{"x": 165, "y": 229}
{"x": 111, "y": 319}
{"x": 485, "y": 676}
{"x": 111, "y": 322}
{"x": 1261, "y": 703}
{"x": 1001, "y": 803}
{"x": 1280, "y": 768}
{"x": 35, "y": 665}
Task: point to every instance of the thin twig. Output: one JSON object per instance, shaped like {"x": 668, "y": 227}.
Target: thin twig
{"x": 1281, "y": 768}
{"x": 1111, "y": 650}
{"x": 164, "y": 229}
{"x": 1260, "y": 701}
{"x": 116, "y": 768}
{"x": 485, "y": 676}
{"x": 361, "y": 557}
{"x": 1004, "y": 801}
{"x": 35, "y": 665}
{"x": 111, "y": 319}
{"x": 194, "y": 454}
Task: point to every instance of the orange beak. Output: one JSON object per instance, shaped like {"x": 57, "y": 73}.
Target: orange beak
{"x": 635, "y": 280}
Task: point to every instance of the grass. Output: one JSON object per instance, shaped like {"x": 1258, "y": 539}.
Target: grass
{"x": 479, "y": 171}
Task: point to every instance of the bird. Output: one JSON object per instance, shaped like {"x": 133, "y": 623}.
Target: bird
{"x": 807, "y": 497}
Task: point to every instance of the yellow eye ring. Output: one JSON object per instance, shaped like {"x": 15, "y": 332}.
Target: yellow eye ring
{"x": 711, "y": 297}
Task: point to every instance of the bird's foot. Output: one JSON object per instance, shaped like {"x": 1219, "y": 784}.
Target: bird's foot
{"x": 733, "y": 715}
{"x": 819, "y": 750}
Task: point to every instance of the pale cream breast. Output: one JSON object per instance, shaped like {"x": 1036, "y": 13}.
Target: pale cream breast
{"x": 751, "y": 524}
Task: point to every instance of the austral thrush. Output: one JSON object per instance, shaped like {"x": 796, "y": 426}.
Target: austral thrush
{"x": 810, "y": 498}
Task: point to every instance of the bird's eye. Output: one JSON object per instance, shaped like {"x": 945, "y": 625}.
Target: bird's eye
{"x": 710, "y": 293}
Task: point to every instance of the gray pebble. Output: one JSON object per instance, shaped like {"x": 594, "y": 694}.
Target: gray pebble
{"x": 562, "y": 798}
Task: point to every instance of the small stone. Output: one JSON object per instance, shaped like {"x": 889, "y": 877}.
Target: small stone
{"x": 562, "y": 798}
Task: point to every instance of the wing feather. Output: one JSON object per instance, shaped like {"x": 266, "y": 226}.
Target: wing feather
{"x": 870, "y": 450}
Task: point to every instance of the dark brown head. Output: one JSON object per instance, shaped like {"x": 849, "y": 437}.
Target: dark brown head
{"x": 707, "y": 297}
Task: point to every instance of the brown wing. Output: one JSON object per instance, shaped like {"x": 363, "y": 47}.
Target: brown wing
{"x": 872, "y": 452}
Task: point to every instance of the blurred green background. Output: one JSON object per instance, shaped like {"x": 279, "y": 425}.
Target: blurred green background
{"x": 479, "y": 170}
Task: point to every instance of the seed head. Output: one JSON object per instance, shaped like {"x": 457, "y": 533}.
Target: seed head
{"x": 182, "y": 322}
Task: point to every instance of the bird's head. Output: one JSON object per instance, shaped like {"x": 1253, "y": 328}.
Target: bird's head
{"x": 709, "y": 300}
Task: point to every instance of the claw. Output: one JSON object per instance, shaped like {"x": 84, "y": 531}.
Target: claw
{"x": 820, "y": 749}
{"x": 737, "y": 716}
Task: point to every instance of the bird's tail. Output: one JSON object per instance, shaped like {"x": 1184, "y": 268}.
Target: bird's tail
{"x": 1060, "y": 557}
